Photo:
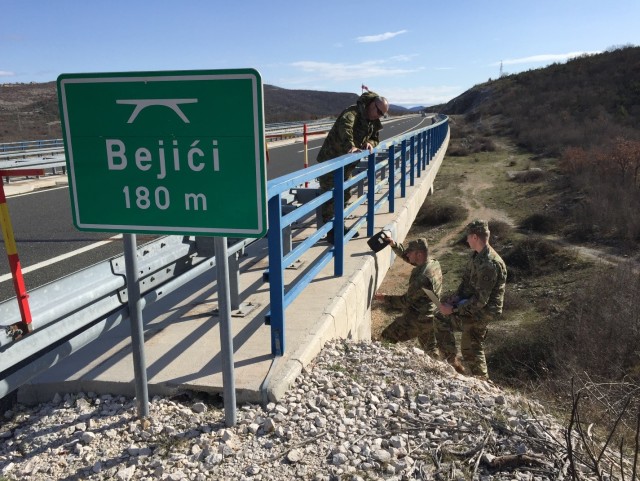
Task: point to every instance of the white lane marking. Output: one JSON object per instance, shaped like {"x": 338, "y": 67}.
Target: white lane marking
{"x": 62, "y": 257}
{"x": 49, "y": 189}
{"x": 309, "y": 148}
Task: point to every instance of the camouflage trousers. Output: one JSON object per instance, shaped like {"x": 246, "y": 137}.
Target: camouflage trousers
{"x": 474, "y": 332}
{"x": 326, "y": 184}
{"x": 411, "y": 325}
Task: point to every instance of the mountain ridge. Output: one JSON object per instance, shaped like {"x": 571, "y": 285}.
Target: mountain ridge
{"x": 29, "y": 111}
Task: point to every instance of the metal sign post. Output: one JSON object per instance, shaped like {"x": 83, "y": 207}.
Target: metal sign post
{"x": 135, "y": 318}
{"x": 169, "y": 153}
{"x": 226, "y": 337}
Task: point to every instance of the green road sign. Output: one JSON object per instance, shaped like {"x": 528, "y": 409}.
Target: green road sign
{"x": 166, "y": 152}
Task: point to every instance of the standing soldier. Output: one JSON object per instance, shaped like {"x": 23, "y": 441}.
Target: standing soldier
{"x": 355, "y": 129}
{"x": 479, "y": 298}
{"x": 419, "y": 310}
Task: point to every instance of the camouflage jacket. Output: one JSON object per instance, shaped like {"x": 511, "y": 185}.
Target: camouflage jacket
{"x": 429, "y": 276}
{"x": 351, "y": 129}
{"x": 483, "y": 284}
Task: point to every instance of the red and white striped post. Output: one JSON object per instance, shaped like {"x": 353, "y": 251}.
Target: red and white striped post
{"x": 12, "y": 252}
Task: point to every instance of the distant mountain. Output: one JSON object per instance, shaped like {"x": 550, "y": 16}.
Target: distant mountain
{"x": 30, "y": 111}
{"x": 285, "y": 105}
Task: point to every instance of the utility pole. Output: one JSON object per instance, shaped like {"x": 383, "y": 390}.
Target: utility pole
{"x": 500, "y": 68}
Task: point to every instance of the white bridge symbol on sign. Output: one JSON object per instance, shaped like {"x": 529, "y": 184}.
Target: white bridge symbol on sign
{"x": 142, "y": 104}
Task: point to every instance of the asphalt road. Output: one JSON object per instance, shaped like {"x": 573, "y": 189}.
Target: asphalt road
{"x": 50, "y": 247}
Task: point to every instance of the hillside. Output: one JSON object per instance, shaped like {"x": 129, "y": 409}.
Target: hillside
{"x": 583, "y": 102}
{"x": 551, "y": 158}
{"x": 30, "y": 111}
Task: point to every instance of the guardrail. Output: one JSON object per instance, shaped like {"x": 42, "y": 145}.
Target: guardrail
{"x": 407, "y": 156}
{"x": 71, "y": 312}
{"x": 10, "y": 150}
{"x": 49, "y": 154}
{"x": 27, "y": 145}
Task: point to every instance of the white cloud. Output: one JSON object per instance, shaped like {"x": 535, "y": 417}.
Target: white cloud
{"x": 422, "y": 95}
{"x": 344, "y": 71}
{"x": 544, "y": 58}
{"x": 380, "y": 37}
{"x": 403, "y": 57}
{"x": 5, "y": 73}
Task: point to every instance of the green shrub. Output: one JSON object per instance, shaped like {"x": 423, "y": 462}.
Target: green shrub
{"x": 433, "y": 214}
{"x": 540, "y": 223}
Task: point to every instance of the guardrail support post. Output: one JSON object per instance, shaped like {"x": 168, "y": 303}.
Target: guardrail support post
{"x": 234, "y": 280}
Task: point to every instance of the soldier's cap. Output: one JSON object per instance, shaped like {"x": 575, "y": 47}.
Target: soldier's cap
{"x": 419, "y": 244}
{"x": 478, "y": 227}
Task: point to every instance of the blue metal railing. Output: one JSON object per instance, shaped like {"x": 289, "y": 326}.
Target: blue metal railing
{"x": 403, "y": 157}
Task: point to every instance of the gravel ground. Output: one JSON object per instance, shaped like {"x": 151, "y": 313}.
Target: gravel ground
{"x": 360, "y": 411}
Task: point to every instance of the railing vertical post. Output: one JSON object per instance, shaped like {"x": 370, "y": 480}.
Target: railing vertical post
{"x": 338, "y": 221}
{"x": 276, "y": 275}
{"x": 425, "y": 160}
{"x": 403, "y": 169}
{"x": 392, "y": 178}
{"x": 412, "y": 161}
{"x": 418, "y": 155}
{"x": 306, "y": 149}
{"x": 371, "y": 193}
{"x": 436, "y": 139}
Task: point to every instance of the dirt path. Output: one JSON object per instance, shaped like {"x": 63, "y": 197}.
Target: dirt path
{"x": 395, "y": 282}
{"x": 471, "y": 188}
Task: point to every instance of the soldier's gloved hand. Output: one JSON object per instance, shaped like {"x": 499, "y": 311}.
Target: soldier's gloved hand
{"x": 389, "y": 240}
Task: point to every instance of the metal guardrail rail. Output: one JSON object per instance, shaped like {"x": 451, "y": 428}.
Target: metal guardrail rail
{"x": 46, "y": 147}
{"x": 49, "y": 154}
{"x": 75, "y": 310}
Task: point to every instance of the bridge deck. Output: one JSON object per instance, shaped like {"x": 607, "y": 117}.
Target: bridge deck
{"x": 182, "y": 339}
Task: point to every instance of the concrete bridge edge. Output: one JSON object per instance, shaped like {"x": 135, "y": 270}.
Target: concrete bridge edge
{"x": 349, "y": 314}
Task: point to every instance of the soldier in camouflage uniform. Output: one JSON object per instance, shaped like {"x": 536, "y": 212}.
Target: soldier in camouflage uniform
{"x": 478, "y": 300}
{"x": 418, "y": 310}
{"x": 355, "y": 129}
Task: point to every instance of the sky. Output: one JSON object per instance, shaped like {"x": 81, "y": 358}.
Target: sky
{"x": 414, "y": 52}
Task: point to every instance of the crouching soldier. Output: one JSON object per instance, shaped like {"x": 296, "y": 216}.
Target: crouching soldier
{"x": 419, "y": 311}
